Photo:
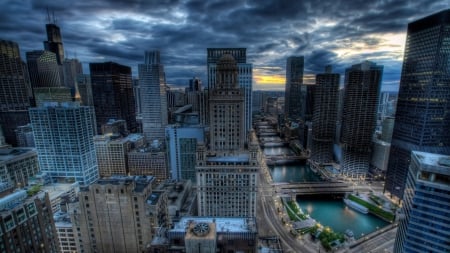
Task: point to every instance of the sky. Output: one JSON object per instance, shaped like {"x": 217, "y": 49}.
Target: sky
{"x": 337, "y": 32}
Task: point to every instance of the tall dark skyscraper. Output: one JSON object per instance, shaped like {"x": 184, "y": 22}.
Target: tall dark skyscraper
{"x": 112, "y": 93}
{"x": 14, "y": 90}
{"x": 54, "y": 41}
{"x": 422, "y": 120}
{"x": 324, "y": 116}
{"x": 294, "y": 80}
{"x": 362, "y": 88}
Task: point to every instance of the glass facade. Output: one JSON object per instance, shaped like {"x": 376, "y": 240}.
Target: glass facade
{"x": 422, "y": 119}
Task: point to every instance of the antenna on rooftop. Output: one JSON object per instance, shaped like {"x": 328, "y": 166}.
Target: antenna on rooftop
{"x": 48, "y": 15}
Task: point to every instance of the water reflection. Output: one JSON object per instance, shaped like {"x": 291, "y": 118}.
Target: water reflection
{"x": 293, "y": 174}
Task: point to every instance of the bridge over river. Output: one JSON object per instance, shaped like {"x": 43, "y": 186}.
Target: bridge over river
{"x": 310, "y": 188}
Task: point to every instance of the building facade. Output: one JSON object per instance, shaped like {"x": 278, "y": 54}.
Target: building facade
{"x": 150, "y": 160}
{"x": 362, "y": 88}
{"x": 119, "y": 214}
{"x": 424, "y": 220}
{"x": 26, "y": 224}
{"x": 294, "y": 105}
{"x": 112, "y": 93}
{"x": 43, "y": 69}
{"x": 63, "y": 135}
{"x": 324, "y": 116}
{"x": 17, "y": 166}
{"x": 153, "y": 99}
{"x": 424, "y": 87}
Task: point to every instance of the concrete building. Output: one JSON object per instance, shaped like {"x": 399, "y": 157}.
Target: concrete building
{"x": 209, "y": 235}
{"x": 112, "y": 152}
{"x": 24, "y": 136}
{"x": 181, "y": 198}
{"x": 63, "y": 135}
{"x": 226, "y": 170}
{"x": 324, "y": 116}
{"x": 65, "y": 232}
{"x": 153, "y": 98}
{"x": 17, "y": 166}
{"x": 119, "y": 214}
{"x": 245, "y": 78}
{"x": 26, "y": 223}
{"x": 424, "y": 87}
{"x": 150, "y": 160}
{"x": 425, "y": 216}
{"x": 362, "y": 88}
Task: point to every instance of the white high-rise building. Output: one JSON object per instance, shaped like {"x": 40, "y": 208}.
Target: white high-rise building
{"x": 63, "y": 135}
{"x": 153, "y": 98}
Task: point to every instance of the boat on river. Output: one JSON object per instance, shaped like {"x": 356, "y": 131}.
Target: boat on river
{"x": 356, "y": 206}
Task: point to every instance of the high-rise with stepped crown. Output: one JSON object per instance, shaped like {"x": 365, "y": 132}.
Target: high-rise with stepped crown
{"x": 422, "y": 119}
{"x": 226, "y": 170}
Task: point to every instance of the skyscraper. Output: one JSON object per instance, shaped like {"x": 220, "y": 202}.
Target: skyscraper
{"x": 226, "y": 171}
{"x": 63, "y": 135}
{"x": 54, "y": 41}
{"x": 424, "y": 220}
{"x": 43, "y": 69}
{"x": 324, "y": 116}
{"x": 112, "y": 93}
{"x": 422, "y": 119}
{"x": 72, "y": 68}
{"x": 245, "y": 77}
{"x": 152, "y": 85}
{"x": 362, "y": 87}
{"x": 15, "y": 90}
{"x": 294, "y": 104}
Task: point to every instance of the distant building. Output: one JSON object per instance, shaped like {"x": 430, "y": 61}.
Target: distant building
{"x": 65, "y": 232}
{"x": 26, "y": 223}
{"x": 424, "y": 218}
{"x": 85, "y": 89}
{"x": 112, "y": 152}
{"x": 43, "y": 69}
{"x": 153, "y": 98}
{"x": 17, "y": 166}
{"x": 72, "y": 69}
{"x": 119, "y": 214}
{"x": 43, "y": 95}
{"x": 113, "y": 126}
{"x": 324, "y": 116}
{"x": 209, "y": 235}
{"x": 16, "y": 90}
{"x": 63, "y": 135}
{"x": 294, "y": 104}
{"x": 112, "y": 93}
{"x": 24, "y": 136}
{"x": 424, "y": 86}
{"x": 181, "y": 198}
{"x": 54, "y": 41}
{"x": 150, "y": 160}
{"x": 362, "y": 88}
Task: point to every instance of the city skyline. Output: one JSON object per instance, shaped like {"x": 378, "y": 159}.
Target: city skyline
{"x": 340, "y": 34}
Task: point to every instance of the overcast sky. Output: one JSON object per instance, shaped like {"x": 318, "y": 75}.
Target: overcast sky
{"x": 337, "y": 32}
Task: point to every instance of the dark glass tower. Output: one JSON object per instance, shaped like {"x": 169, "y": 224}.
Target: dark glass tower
{"x": 294, "y": 81}
{"x": 422, "y": 120}
{"x": 362, "y": 88}
{"x": 112, "y": 93}
{"x": 324, "y": 116}
{"x": 54, "y": 42}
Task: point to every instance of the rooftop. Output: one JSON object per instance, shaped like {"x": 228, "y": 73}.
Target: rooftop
{"x": 433, "y": 162}
{"x": 7, "y": 154}
{"x": 231, "y": 158}
{"x": 223, "y": 224}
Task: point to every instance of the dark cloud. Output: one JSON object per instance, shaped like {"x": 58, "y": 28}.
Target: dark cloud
{"x": 271, "y": 30}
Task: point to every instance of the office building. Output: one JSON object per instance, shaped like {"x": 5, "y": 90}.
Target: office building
{"x": 112, "y": 152}
{"x": 245, "y": 78}
{"x": 63, "y": 135}
{"x": 52, "y": 94}
{"x": 182, "y": 146}
{"x": 424, "y": 87}
{"x": 65, "y": 232}
{"x": 424, "y": 219}
{"x": 226, "y": 170}
{"x": 17, "y": 166}
{"x": 54, "y": 40}
{"x": 209, "y": 235}
{"x": 150, "y": 160}
{"x": 85, "y": 89}
{"x": 112, "y": 93}
{"x": 119, "y": 214}
{"x": 362, "y": 88}
{"x": 26, "y": 223}
{"x": 153, "y": 98}
{"x": 43, "y": 69}
{"x": 324, "y": 116}
{"x": 72, "y": 68}
{"x": 24, "y": 136}
{"x": 15, "y": 90}
{"x": 294, "y": 104}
